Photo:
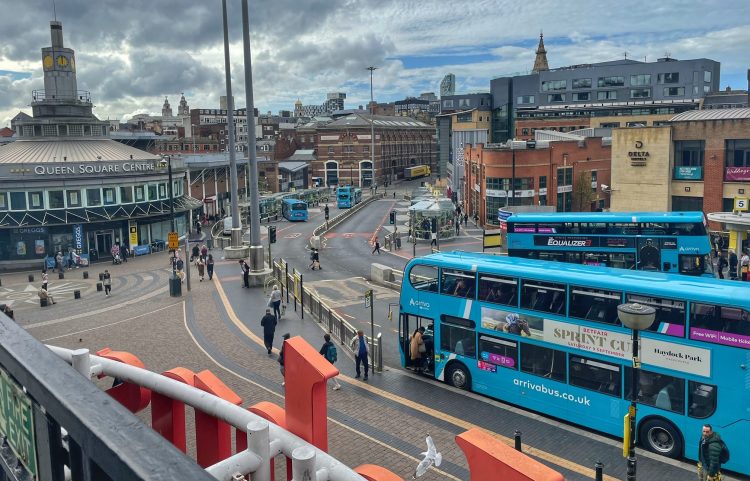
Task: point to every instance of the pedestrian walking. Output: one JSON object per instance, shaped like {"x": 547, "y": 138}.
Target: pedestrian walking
{"x": 744, "y": 266}
{"x": 268, "y": 322}
{"x": 245, "y": 274}
{"x": 721, "y": 264}
{"x": 314, "y": 259}
{"x": 417, "y": 348}
{"x": 711, "y": 450}
{"x": 377, "y": 247}
{"x": 732, "y": 265}
{"x": 466, "y": 219}
{"x": 458, "y": 225}
{"x": 281, "y": 357}
{"x": 476, "y": 219}
{"x": 359, "y": 346}
{"x": 125, "y": 253}
{"x": 179, "y": 265}
{"x": 329, "y": 352}
{"x": 210, "y": 266}
{"x": 59, "y": 262}
{"x": 201, "y": 264}
{"x": 274, "y": 302}
{"x": 107, "y": 280}
{"x": 195, "y": 252}
{"x": 45, "y": 280}
{"x": 44, "y": 295}
{"x": 204, "y": 251}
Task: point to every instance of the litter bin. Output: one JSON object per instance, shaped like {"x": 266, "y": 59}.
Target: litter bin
{"x": 175, "y": 286}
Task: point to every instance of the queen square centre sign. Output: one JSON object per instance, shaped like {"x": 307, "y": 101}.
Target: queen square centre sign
{"x": 17, "y": 422}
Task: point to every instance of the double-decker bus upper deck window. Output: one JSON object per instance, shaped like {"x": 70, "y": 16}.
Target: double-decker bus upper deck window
{"x": 655, "y": 228}
{"x": 688, "y": 228}
{"x": 658, "y": 390}
{"x": 457, "y": 335}
{"x": 670, "y": 314}
{"x": 543, "y": 296}
{"x": 500, "y": 352}
{"x": 600, "y": 376}
{"x": 424, "y": 278}
{"x": 551, "y": 256}
{"x": 701, "y": 400}
{"x": 522, "y": 228}
{"x": 500, "y": 290}
{"x": 622, "y": 228}
{"x": 458, "y": 283}
{"x": 594, "y": 304}
{"x": 592, "y": 228}
{"x": 707, "y": 322}
{"x": 543, "y": 361}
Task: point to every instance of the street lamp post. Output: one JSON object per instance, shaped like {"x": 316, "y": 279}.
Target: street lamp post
{"x": 372, "y": 126}
{"x": 636, "y": 317}
{"x": 175, "y": 286}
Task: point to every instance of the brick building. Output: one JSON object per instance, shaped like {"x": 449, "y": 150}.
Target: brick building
{"x": 699, "y": 161}
{"x": 343, "y": 149}
{"x": 565, "y": 174}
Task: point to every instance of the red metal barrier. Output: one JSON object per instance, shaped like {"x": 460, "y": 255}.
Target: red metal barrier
{"x": 135, "y": 398}
{"x": 167, "y": 414}
{"x": 213, "y": 438}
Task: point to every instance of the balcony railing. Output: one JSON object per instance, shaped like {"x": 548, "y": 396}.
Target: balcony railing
{"x": 80, "y": 96}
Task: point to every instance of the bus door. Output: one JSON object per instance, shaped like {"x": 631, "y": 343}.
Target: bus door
{"x": 407, "y": 325}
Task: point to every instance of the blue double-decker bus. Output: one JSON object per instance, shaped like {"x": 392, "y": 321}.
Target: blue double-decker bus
{"x": 294, "y": 209}
{"x": 546, "y": 336}
{"x": 656, "y": 241}
{"x": 348, "y": 196}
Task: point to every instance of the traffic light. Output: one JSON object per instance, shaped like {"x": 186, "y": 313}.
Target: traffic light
{"x": 272, "y": 234}
{"x": 393, "y": 217}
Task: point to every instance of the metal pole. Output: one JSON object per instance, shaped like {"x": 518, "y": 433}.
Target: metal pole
{"x": 187, "y": 264}
{"x": 517, "y": 440}
{"x": 171, "y": 213}
{"x": 513, "y": 177}
{"x": 372, "y": 327}
{"x": 236, "y": 230}
{"x": 633, "y": 398}
{"x": 372, "y": 126}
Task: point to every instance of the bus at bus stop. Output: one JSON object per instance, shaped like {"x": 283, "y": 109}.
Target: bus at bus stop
{"x": 546, "y": 336}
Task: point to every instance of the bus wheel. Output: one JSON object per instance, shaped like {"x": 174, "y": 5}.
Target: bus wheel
{"x": 458, "y": 376}
{"x": 660, "y": 436}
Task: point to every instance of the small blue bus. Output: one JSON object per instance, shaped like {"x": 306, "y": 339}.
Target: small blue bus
{"x": 294, "y": 210}
{"x": 656, "y": 241}
{"x": 546, "y": 336}
{"x": 348, "y": 196}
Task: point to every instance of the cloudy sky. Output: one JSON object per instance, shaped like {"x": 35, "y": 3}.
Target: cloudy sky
{"x": 131, "y": 54}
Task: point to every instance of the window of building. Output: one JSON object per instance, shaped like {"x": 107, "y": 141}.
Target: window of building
{"x": 737, "y": 153}
{"x": 424, "y": 278}
{"x": 74, "y": 198}
{"x": 610, "y": 125}
{"x": 543, "y": 362}
{"x": 126, "y": 195}
{"x": 36, "y": 200}
{"x": 525, "y": 99}
{"x": 3, "y": 201}
{"x": 543, "y": 193}
{"x": 616, "y": 81}
{"x": 152, "y": 192}
{"x": 674, "y": 91}
{"x": 457, "y": 335}
{"x": 581, "y": 96}
{"x": 668, "y": 78}
{"x": 555, "y": 97}
{"x": 163, "y": 190}
{"x": 582, "y": 83}
{"x": 448, "y": 104}
{"x": 348, "y": 149}
{"x": 18, "y": 200}
{"x": 457, "y": 283}
{"x": 549, "y": 85}
{"x": 139, "y": 193}
{"x": 606, "y": 95}
{"x": 499, "y": 352}
{"x": 565, "y": 176}
{"x": 640, "y": 79}
{"x": 640, "y": 93}
{"x": 689, "y": 153}
{"x": 497, "y": 183}
{"x": 464, "y": 117}
{"x": 93, "y": 197}
{"x": 365, "y": 149}
{"x": 595, "y": 375}
{"x": 525, "y": 131}
{"x": 687, "y": 204}
{"x": 593, "y": 181}
{"x": 543, "y": 296}
{"x": 110, "y": 196}
{"x": 707, "y": 76}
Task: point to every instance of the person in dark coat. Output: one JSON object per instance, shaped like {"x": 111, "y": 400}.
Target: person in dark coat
{"x": 269, "y": 329}
{"x": 709, "y": 454}
{"x": 281, "y": 356}
{"x": 732, "y": 264}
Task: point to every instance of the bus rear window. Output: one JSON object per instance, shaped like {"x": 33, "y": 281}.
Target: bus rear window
{"x": 543, "y": 296}
{"x": 720, "y": 325}
{"x": 595, "y": 305}
{"x": 595, "y": 375}
{"x": 670, "y": 314}
{"x": 424, "y": 278}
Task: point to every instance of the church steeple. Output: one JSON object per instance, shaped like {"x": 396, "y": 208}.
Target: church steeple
{"x": 183, "y": 109}
{"x": 166, "y": 109}
{"x": 540, "y": 63}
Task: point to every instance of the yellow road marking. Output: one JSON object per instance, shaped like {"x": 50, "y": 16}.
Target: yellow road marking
{"x": 530, "y": 450}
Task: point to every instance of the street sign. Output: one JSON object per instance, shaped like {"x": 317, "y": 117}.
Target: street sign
{"x": 17, "y": 422}
{"x": 368, "y": 298}
{"x": 173, "y": 242}
{"x": 740, "y": 203}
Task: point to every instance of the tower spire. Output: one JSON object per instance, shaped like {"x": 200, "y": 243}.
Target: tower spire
{"x": 540, "y": 62}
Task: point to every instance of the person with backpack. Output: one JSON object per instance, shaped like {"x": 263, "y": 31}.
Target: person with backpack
{"x": 281, "y": 357}
{"x": 712, "y": 453}
{"x": 329, "y": 352}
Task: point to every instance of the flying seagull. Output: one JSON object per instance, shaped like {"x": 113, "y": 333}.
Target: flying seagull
{"x": 431, "y": 457}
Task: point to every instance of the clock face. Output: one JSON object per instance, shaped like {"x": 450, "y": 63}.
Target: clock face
{"x": 47, "y": 62}
{"x": 62, "y": 61}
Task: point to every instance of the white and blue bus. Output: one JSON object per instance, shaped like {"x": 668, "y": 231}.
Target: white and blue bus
{"x": 656, "y": 241}
{"x": 348, "y": 196}
{"x": 294, "y": 209}
{"x": 546, "y": 336}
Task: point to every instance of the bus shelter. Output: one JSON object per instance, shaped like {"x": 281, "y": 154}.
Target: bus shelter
{"x": 422, "y": 214}
{"x": 738, "y": 225}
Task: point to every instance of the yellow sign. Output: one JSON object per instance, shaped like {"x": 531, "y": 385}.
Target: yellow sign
{"x": 626, "y": 436}
{"x": 493, "y": 239}
{"x": 173, "y": 242}
{"x": 133, "y": 235}
{"x": 740, "y": 203}
{"x": 297, "y": 285}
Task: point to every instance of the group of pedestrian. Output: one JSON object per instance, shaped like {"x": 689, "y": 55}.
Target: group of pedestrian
{"x": 314, "y": 259}
{"x": 730, "y": 264}
{"x": 204, "y": 262}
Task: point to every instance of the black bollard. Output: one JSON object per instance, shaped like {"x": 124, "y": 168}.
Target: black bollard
{"x": 31, "y": 278}
{"x": 99, "y": 287}
{"x": 101, "y": 276}
{"x": 43, "y": 302}
{"x": 76, "y": 294}
{"x": 517, "y": 439}
{"x": 85, "y": 274}
{"x": 599, "y": 467}
{"x": 61, "y": 275}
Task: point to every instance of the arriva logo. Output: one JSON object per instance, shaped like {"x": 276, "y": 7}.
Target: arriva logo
{"x": 689, "y": 249}
{"x": 419, "y": 304}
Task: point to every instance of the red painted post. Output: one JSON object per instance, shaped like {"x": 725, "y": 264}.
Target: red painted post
{"x": 167, "y": 414}
{"x": 213, "y": 441}
{"x": 372, "y": 472}
{"x": 135, "y": 398}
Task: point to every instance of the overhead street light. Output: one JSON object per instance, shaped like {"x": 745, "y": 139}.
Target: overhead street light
{"x": 175, "y": 284}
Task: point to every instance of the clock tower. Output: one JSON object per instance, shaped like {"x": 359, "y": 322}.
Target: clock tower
{"x": 59, "y": 67}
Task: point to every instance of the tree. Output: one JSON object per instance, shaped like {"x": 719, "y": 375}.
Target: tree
{"x": 583, "y": 194}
